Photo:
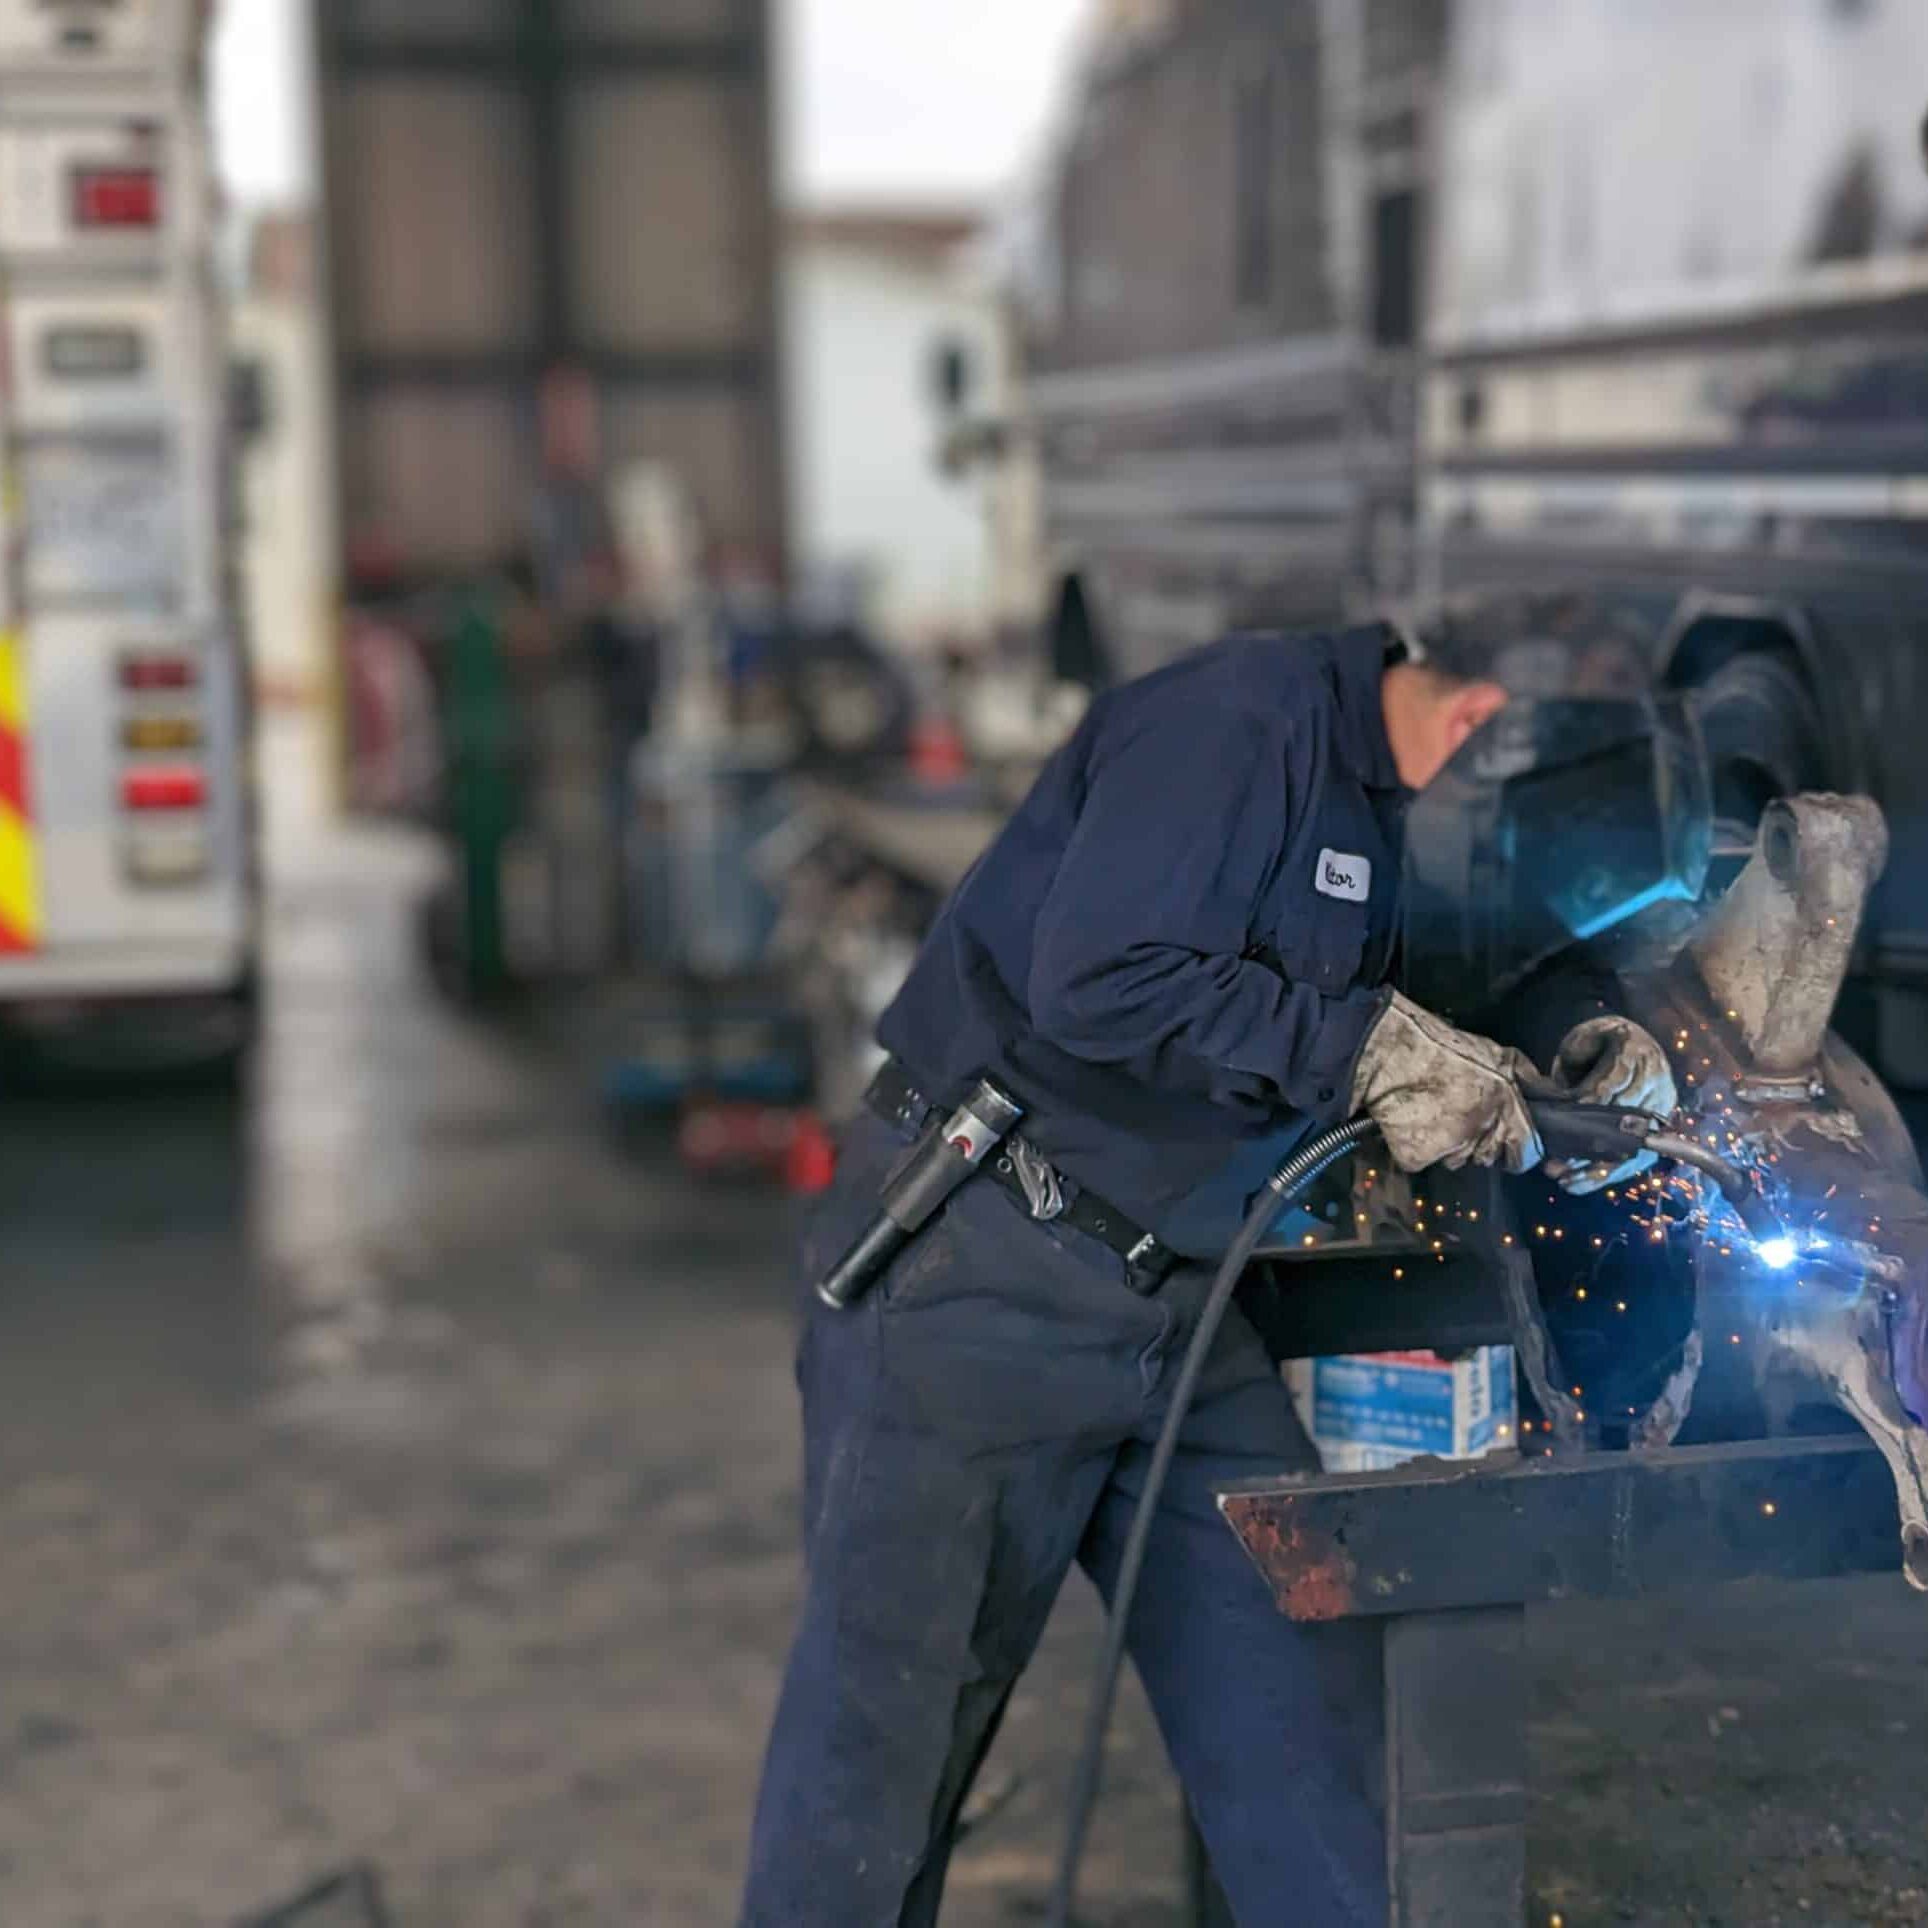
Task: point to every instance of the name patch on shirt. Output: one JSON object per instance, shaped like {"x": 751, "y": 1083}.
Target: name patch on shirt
{"x": 1344, "y": 876}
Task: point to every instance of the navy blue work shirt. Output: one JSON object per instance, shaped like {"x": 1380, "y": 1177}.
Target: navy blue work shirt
{"x": 1173, "y": 951}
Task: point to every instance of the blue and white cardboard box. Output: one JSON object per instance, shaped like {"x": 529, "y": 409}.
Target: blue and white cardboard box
{"x": 1368, "y": 1411}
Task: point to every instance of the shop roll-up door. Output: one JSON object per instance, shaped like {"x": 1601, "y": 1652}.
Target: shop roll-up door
{"x": 513, "y": 185}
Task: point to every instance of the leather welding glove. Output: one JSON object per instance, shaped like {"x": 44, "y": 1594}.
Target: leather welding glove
{"x": 1442, "y": 1096}
{"x": 1612, "y": 1061}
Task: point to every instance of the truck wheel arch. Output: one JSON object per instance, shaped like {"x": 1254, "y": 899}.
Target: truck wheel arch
{"x": 1769, "y": 711}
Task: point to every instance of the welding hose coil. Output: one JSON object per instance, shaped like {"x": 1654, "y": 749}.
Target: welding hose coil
{"x": 1298, "y": 1171}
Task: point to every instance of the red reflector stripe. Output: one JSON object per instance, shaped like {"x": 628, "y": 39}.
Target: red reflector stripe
{"x": 158, "y": 673}
{"x": 117, "y": 197}
{"x": 13, "y": 773}
{"x": 163, "y": 789}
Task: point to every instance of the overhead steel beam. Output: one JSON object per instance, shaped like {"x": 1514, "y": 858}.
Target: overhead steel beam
{"x": 747, "y": 368}
{"x": 1900, "y": 312}
{"x": 1844, "y": 456}
{"x": 540, "y": 55}
{"x": 504, "y": 63}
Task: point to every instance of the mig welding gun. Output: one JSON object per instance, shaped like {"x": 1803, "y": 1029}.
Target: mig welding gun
{"x": 1606, "y": 1134}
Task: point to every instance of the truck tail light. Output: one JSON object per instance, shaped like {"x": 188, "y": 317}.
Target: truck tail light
{"x": 161, "y": 733}
{"x": 116, "y": 197}
{"x": 172, "y": 787}
{"x": 159, "y": 673}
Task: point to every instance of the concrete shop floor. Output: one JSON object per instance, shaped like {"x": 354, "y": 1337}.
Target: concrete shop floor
{"x": 390, "y": 1470}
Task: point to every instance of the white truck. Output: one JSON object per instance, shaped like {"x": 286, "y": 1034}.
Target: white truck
{"x": 127, "y": 874}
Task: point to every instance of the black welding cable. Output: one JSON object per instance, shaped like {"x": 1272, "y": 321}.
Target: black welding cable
{"x": 1285, "y": 1184}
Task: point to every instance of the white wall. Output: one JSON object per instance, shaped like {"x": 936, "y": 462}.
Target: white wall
{"x": 288, "y": 501}
{"x": 288, "y": 559}
{"x": 862, "y": 331}
{"x": 262, "y": 93}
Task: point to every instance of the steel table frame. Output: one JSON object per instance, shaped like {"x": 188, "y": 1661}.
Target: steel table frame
{"x": 1446, "y": 1557}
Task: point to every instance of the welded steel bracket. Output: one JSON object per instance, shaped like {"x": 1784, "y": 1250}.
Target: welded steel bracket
{"x": 1451, "y": 1533}
{"x": 1446, "y": 1556}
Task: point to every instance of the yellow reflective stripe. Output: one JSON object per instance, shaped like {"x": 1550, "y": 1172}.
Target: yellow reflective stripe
{"x": 19, "y": 882}
{"x": 13, "y": 683}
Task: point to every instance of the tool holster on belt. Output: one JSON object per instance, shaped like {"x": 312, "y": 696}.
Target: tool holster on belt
{"x": 947, "y": 1155}
{"x": 1035, "y": 1184}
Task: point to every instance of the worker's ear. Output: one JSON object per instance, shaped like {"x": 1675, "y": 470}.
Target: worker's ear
{"x": 1470, "y": 709}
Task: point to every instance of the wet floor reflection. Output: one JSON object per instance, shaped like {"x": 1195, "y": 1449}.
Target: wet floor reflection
{"x": 388, "y": 1469}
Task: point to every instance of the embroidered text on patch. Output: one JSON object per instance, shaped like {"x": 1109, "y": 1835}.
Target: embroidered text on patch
{"x": 1344, "y": 876}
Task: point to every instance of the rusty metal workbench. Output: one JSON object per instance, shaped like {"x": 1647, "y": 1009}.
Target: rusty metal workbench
{"x": 1446, "y": 1557}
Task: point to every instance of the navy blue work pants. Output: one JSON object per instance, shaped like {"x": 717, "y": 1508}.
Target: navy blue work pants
{"x": 981, "y": 1420}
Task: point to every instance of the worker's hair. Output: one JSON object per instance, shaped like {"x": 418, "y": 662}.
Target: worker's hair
{"x": 1442, "y": 684}
{"x": 1453, "y": 658}
{"x": 1433, "y": 649}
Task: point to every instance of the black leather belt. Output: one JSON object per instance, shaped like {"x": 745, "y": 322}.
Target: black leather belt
{"x": 1148, "y": 1262}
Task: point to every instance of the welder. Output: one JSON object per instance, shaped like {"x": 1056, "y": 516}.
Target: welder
{"x": 1174, "y": 961}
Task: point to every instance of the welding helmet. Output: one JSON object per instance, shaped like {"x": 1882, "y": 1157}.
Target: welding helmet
{"x": 1562, "y": 820}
